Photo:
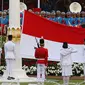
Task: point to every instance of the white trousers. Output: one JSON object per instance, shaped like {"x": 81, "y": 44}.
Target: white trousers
{"x": 9, "y": 66}
{"x": 84, "y": 68}
{"x": 66, "y": 80}
{"x": 66, "y": 70}
{"x": 40, "y": 72}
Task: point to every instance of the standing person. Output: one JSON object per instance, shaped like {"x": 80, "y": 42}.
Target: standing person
{"x": 69, "y": 18}
{"x": 1, "y": 72}
{"x": 41, "y": 54}
{"x": 9, "y": 49}
{"x": 63, "y": 19}
{"x": 0, "y": 55}
{"x": 66, "y": 62}
{"x": 84, "y": 58}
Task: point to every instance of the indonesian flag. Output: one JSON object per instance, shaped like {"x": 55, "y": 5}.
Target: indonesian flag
{"x": 53, "y": 33}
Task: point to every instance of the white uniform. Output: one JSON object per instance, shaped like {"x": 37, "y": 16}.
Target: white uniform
{"x": 9, "y": 48}
{"x": 66, "y": 61}
{"x": 84, "y": 58}
{"x": 0, "y": 55}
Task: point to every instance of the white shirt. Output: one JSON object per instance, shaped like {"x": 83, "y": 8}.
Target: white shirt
{"x": 65, "y": 56}
{"x": 9, "y": 48}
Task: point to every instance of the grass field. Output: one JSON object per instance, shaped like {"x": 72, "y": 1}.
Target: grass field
{"x": 59, "y": 81}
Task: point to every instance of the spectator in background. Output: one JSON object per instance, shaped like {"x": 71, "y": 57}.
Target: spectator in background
{"x": 43, "y": 14}
{"x": 69, "y": 19}
{"x": 4, "y": 23}
{"x": 63, "y": 19}
{"x": 58, "y": 13}
{"x": 52, "y": 18}
{"x": 74, "y": 20}
{"x": 0, "y": 16}
{"x": 82, "y": 17}
{"x": 48, "y": 15}
{"x": 58, "y": 16}
{"x": 4, "y": 20}
{"x": 78, "y": 17}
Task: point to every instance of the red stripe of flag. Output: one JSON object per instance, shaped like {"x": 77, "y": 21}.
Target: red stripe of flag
{"x": 37, "y": 26}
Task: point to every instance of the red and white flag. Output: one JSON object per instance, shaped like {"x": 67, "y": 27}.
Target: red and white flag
{"x": 53, "y": 33}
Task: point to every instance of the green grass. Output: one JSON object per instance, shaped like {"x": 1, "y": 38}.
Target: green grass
{"x": 59, "y": 81}
{"x": 46, "y": 83}
{"x": 53, "y": 82}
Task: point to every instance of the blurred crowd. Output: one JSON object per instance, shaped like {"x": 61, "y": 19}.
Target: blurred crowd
{"x": 68, "y": 18}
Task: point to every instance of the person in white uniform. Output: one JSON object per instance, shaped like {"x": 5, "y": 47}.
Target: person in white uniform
{"x": 1, "y": 72}
{"x": 66, "y": 62}
{"x": 84, "y": 58}
{"x": 9, "y": 49}
{"x": 0, "y": 55}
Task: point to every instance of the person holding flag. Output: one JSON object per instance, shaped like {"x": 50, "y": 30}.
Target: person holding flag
{"x": 41, "y": 54}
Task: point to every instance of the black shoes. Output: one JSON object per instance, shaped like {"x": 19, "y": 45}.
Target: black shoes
{"x": 10, "y": 78}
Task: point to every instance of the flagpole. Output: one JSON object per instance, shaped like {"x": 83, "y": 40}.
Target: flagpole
{"x": 38, "y": 3}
